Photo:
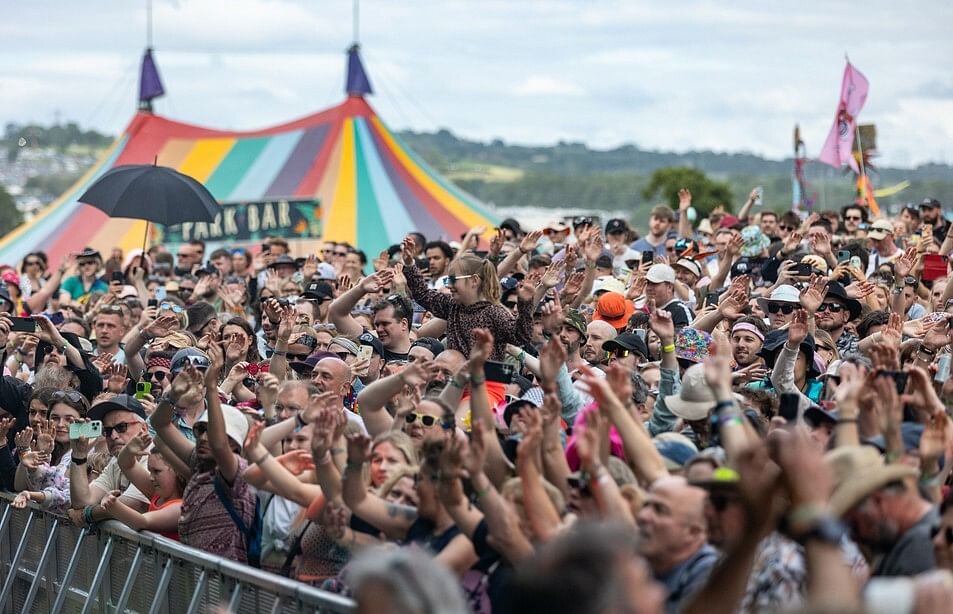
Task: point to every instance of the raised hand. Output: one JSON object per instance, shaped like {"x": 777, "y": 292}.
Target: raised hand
{"x": 286, "y": 322}
{"x": 481, "y": 348}
{"x": 310, "y": 267}
{"x": 588, "y": 444}
{"x": 419, "y": 373}
{"x": 24, "y": 439}
{"x": 272, "y": 309}
{"x": 407, "y": 248}
{"x": 187, "y": 387}
{"x": 813, "y": 294}
{"x": 594, "y": 246}
{"x": 116, "y": 375}
{"x": 399, "y": 282}
{"x": 891, "y": 333}
{"x": 661, "y": 323}
{"x": 527, "y": 288}
{"x": 496, "y": 243}
{"x": 250, "y": 446}
{"x": 358, "y": 448}
{"x": 684, "y": 199}
{"x": 551, "y": 358}
{"x": 161, "y": 326}
{"x": 267, "y": 389}
{"x": 920, "y": 393}
{"x": 335, "y": 519}
{"x": 5, "y": 425}
{"x": 320, "y": 402}
{"x": 216, "y": 357}
{"x": 374, "y": 283}
{"x": 44, "y": 437}
{"x": 934, "y": 439}
{"x": 620, "y": 381}
{"x": 528, "y": 450}
{"x": 797, "y": 329}
{"x": 138, "y": 446}
{"x": 551, "y": 276}
{"x": 473, "y": 455}
{"x": 296, "y": 461}
{"x": 328, "y": 427}
{"x": 731, "y": 304}
{"x": 792, "y": 243}
{"x": 345, "y": 282}
{"x": 529, "y": 242}
{"x": 81, "y": 446}
{"x": 552, "y": 316}
{"x": 102, "y": 361}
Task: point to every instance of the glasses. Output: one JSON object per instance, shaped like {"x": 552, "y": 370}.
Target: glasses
{"x": 88, "y": 263}
{"x": 342, "y": 254}
{"x": 425, "y": 419}
{"x": 832, "y": 307}
{"x": 343, "y": 355}
{"x": 620, "y": 353}
{"x": 301, "y": 357}
{"x": 510, "y": 304}
{"x": 32, "y": 263}
{"x": 156, "y": 375}
{"x": 785, "y": 308}
{"x": 199, "y": 362}
{"x": 452, "y": 279}
{"x": 184, "y": 291}
{"x": 120, "y": 428}
{"x": 172, "y": 306}
{"x": 68, "y": 395}
{"x": 852, "y": 218}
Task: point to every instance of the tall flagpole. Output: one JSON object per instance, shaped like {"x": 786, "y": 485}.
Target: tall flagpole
{"x": 148, "y": 24}
{"x": 356, "y": 20}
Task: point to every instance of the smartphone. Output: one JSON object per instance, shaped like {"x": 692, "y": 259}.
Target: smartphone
{"x": 117, "y": 277}
{"x": 899, "y": 379}
{"x": 648, "y": 256}
{"x": 142, "y": 389}
{"x": 153, "y": 303}
{"x": 56, "y": 317}
{"x": 23, "y": 325}
{"x": 943, "y": 368}
{"x": 759, "y": 196}
{"x": 365, "y": 352}
{"x": 843, "y": 255}
{"x": 502, "y": 372}
{"x": 934, "y": 267}
{"x": 803, "y": 269}
{"x": 855, "y": 262}
{"x": 265, "y": 248}
{"x": 788, "y": 408}
{"x": 90, "y": 430}
{"x": 712, "y": 298}
{"x": 160, "y": 294}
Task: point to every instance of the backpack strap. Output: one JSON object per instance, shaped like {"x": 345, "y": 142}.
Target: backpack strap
{"x": 294, "y": 551}
{"x": 230, "y": 508}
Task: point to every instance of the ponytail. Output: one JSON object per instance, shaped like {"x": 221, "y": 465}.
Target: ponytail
{"x": 490, "y": 283}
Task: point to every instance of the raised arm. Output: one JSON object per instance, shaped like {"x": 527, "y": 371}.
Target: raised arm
{"x": 225, "y": 458}
{"x": 165, "y": 520}
{"x": 394, "y": 520}
{"x": 340, "y": 309}
{"x": 279, "y": 361}
{"x": 527, "y": 244}
{"x": 542, "y": 516}
{"x": 497, "y": 467}
{"x": 684, "y": 203}
{"x": 374, "y": 397}
{"x": 281, "y": 481}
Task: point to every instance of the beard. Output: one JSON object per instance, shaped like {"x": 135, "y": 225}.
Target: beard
{"x": 53, "y": 376}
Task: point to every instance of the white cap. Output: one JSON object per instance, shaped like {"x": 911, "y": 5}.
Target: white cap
{"x": 326, "y": 271}
{"x": 660, "y": 273}
{"x": 608, "y": 283}
{"x": 236, "y": 424}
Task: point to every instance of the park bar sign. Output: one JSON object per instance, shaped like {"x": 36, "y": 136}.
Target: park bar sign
{"x": 252, "y": 221}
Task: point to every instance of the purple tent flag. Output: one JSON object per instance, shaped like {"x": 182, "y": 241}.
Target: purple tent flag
{"x": 357, "y": 82}
{"x": 150, "y": 85}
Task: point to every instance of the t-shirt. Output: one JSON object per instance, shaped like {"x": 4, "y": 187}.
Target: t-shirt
{"x": 643, "y": 245}
{"x": 155, "y": 507}
{"x": 688, "y": 577}
{"x": 421, "y": 533}
{"x": 74, "y": 286}
{"x": 913, "y": 553}
{"x": 112, "y": 478}
{"x": 205, "y": 523}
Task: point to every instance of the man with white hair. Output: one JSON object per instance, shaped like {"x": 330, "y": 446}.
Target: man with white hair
{"x": 597, "y": 333}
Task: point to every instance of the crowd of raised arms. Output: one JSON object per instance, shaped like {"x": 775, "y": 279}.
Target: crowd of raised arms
{"x": 749, "y": 414}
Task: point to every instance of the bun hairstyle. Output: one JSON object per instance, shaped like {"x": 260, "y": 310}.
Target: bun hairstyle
{"x": 468, "y": 264}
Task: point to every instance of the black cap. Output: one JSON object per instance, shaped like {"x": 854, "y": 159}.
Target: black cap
{"x": 509, "y": 283}
{"x": 815, "y": 415}
{"x": 582, "y": 220}
{"x": 627, "y": 341}
{"x": 89, "y": 252}
{"x": 283, "y": 260}
{"x": 616, "y": 225}
{"x": 306, "y": 365}
{"x": 775, "y": 340}
{"x": 512, "y": 225}
{"x": 120, "y": 402}
{"x": 318, "y": 291}
{"x": 516, "y": 407}
{"x": 430, "y": 343}
{"x": 604, "y": 262}
{"x": 931, "y": 203}
{"x": 374, "y": 342}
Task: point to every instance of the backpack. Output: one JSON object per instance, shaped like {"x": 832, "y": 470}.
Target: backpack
{"x": 252, "y": 534}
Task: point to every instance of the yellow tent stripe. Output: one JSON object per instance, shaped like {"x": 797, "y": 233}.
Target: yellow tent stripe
{"x": 459, "y": 210}
{"x": 174, "y": 152}
{"x": 341, "y": 221}
{"x": 205, "y": 157}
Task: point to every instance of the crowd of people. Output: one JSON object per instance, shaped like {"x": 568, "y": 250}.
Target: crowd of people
{"x": 747, "y": 412}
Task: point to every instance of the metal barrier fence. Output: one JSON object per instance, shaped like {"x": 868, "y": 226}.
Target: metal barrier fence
{"x": 49, "y": 565}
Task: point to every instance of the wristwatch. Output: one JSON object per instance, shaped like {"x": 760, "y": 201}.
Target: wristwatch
{"x": 825, "y": 529}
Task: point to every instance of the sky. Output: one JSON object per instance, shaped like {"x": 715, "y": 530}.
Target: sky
{"x": 670, "y": 75}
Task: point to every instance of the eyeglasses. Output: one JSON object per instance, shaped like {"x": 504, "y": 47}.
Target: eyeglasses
{"x": 172, "y": 306}
{"x": 852, "y": 218}
{"x": 425, "y": 419}
{"x": 156, "y": 375}
{"x": 68, "y": 395}
{"x": 785, "y": 308}
{"x": 452, "y": 279}
{"x": 832, "y": 307}
{"x": 120, "y": 428}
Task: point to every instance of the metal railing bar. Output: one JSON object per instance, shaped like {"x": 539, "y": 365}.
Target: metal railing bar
{"x": 8, "y": 584}
{"x": 130, "y": 580}
{"x": 98, "y": 578}
{"x": 197, "y": 595}
{"x": 236, "y": 597}
{"x": 70, "y": 569}
{"x": 162, "y": 586}
{"x": 44, "y": 557}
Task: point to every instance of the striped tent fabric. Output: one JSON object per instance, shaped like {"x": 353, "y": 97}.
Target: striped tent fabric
{"x": 371, "y": 187}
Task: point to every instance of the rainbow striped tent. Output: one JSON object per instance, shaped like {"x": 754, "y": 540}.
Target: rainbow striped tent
{"x": 371, "y": 188}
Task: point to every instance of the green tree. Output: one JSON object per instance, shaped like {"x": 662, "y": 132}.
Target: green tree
{"x": 706, "y": 193}
{"x": 10, "y": 216}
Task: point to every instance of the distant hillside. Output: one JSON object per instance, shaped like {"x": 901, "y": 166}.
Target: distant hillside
{"x": 573, "y": 175}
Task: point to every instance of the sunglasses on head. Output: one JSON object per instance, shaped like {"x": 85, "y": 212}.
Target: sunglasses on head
{"x": 68, "y": 395}
{"x": 199, "y": 362}
{"x": 425, "y": 419}
{"x": 785, "y": 308}
{"x": 832, "y": 307}
{"x": 156, "y": 375}
{"x": 167, "y": 306}
{"x": 120, "y": 428}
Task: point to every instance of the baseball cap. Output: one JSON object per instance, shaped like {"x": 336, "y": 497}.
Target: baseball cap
{"x": 326, "y": 271}
{"x": 120, "y": 402}
{"x": 349, "y": 346}
{"x": 512, "y": 225}
{"x": 616, "y": 225}
{"x": 236, "y": 424}
{"x": 880, "y": 229}
{"x": 374, "y": 342}
{"x": 189, "y": 356}
{"x": 627, "y": 341}
{"x": 430, "y": 343}
{"x": 283, "y": 260}
{"x": 930, "y": 203}
{"x": 660, "y": 273}
{"x": 305, "y": 366}
{"x": 607, "y": 283}
{"x": 690, "y": 265}
{"x": 575, "y": 320}
{"x": 318, "y": 291}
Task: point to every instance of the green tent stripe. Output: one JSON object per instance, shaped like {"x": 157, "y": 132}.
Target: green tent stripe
{"x": 371, "y": 235}
{"x": 232, "y": 169}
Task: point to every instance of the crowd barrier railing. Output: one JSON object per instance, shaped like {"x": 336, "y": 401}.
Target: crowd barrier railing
{"x": 49, "y": 565}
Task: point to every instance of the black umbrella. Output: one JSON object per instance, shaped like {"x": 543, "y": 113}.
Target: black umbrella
{"x": 152, "y": 193}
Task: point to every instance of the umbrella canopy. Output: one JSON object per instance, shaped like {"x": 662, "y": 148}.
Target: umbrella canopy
{"x": 154, "y": 193}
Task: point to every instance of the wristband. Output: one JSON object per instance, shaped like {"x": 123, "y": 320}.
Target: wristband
{"x": 88, "y": 514}
{"x": 324, "y": 460}
{"x": 805, "y": 513}
{"x": 262, "y": 458}
{"x": 724, "y": 404}
{"x": 668, "y": 349}
{"x": 474, "y": 381}
{"x": 79, "y": 461}
{"x": 279, "y": 353}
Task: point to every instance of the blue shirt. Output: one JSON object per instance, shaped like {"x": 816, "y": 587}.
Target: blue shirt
{"x": 642, "y": 245}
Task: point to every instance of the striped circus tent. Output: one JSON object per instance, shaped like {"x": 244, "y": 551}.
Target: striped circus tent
{"x": 370, "y": 187}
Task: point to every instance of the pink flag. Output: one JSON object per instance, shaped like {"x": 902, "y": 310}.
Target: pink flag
{"x": 853, "y": 93}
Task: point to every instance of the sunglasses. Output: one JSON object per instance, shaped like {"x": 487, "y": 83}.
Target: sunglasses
{"x": 832, "y": 307}
{"x": 620, "y": 353}
{"x": 342, "y": 254}
{"x": 452, "y": 279}
{"x": 720, "y": 501}
{"x": 785, "y": 308}
{"x": 425, "y": 419}
{"x": 172, "y": 306}
{"x": 343, "y": 355}
{"x": 88, "y": 263}
{"x": 299, "y": 357}
{"x": 68, "y": 395}
{"x": 852, "y": 218}
{"x": 307, "y": 340}
{"x": 510, "y": 304}
{"x": 199, "y": 362}
{"x": 947, "y": 534}
{"x": 156, "y": 375}
{"x": 785, "y": 227}
{"x": 120, "y": 428}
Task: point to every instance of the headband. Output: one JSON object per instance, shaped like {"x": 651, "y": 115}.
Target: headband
{"x": 159, "y": 361}
{"x": 748, "y": 327}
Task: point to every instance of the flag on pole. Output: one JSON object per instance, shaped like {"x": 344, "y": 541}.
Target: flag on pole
{"x": 853, "y": 93}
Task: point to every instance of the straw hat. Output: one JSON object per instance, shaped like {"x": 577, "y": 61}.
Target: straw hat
{"x": 858, "y": 472}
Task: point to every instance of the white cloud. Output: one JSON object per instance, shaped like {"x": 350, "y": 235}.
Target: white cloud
{"x": 541, "y": 85}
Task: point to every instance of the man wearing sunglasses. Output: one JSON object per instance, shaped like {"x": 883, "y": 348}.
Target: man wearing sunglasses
{"x": 780, "y": 306}
{"x": 123, "y": 418}
{"x": 836, "y": 310}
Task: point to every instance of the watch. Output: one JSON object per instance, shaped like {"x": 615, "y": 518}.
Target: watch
{"x": 825, "y": 529}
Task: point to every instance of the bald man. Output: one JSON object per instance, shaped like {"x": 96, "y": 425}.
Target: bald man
{"x": 597, "y": 332}
{"x": 673, "y": 538}
{"x": 447, "y": 362}
{"x": 333, "y": 375}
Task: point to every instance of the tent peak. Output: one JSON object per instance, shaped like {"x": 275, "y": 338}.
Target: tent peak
{"x": 357, "y": 82}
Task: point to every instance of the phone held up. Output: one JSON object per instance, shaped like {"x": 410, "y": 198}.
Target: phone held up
{"x": 90, "y": 430}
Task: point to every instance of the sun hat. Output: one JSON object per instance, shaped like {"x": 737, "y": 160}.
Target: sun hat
{"x": 607, "y": 283}
{"x": 614, "y": 309}
{"x": 691, "y": 344}
{"x": 695, "y": 399}
{"x": 859, "y": 471}
{"x": 236, "y": 424}
{"x": 753, "y": 241}
{"x": 660, "y": 273}
{"x": 836, "y": 290}
{"x": 784, "y": 293}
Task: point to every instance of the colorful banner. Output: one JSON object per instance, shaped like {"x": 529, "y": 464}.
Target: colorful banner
{"x": 253, "y": 221}
{"x": 840, "y": 140}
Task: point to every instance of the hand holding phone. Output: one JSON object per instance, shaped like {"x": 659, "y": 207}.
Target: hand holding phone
{"x": 91, "y": 429}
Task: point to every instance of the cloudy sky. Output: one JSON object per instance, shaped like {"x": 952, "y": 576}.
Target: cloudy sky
{"x": 663, "y": 74}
